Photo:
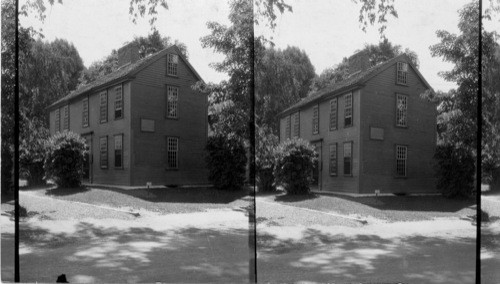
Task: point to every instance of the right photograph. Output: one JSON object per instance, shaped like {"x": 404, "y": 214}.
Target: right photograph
{"x": 366, "y": 132}
{"x": 490, "y": 156}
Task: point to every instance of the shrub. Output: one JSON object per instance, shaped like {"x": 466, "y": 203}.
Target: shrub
{"x": 455, "y": 171}
{"x": 295, "y": 159}
{"x": 32, "y": 152}
{"x": 226, "y": 161}
{"x": 65, "y": 158}
{"x": 264, "y": 158}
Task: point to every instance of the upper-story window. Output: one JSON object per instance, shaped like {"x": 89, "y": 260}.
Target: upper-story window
{"x": 315, "y": 122}
{"x": 401, "y": 157}
{"x": 288, "y": 127}
{"x": 103, "y": 107}
{"x": 401, "y": 110}
{"x": 172, "y": 100}
{"x": 296, "y": 125}
{"x": 172, "y": 62}
{"x": 333, "y": 114}
{"x": 85, "y": 112}
{"x": 118, "y": 102}
{"x": 66, "y": 117}
{"x": 57, "y": 120}
{"x": 348, "y": 110}
{"x": 402, "y": 73}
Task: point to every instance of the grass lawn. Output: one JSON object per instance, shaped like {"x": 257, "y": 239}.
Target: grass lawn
{"x": 161, "y": 200}
{"x": 389, "y": 208}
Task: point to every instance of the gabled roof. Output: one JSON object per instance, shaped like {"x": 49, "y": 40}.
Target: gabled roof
{"x": 355, "y": 80}
{"x": 123, "y": 73}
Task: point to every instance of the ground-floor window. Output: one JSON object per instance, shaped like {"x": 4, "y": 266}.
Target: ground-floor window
{"x": 348, "y": 158}
{"x": 172, "y": 152}
{"x": 401, "y": 157}
{"x": 103, "y": 152}
{"x": 119, "y": 151}
{"x": 333, "y": 159}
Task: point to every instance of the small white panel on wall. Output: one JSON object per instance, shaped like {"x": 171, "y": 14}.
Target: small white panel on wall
{"x": 376, "y": 133}
{"x": 147, "y": 125}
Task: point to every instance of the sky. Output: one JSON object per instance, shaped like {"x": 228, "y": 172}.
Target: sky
{"x": 329, "y": 31}
{"x": 96, "y": 27}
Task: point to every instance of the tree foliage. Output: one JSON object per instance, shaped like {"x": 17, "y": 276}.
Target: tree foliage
{"x": 282, "y": 78}
{"x": 148, "y": 45}
{"x": 266, "y": 144}
{"x": 295, "y": 159}
{"x": 377, "y": 53}
{"x": 375, "y": 11}
{"x": 32, "y": 150}
{"x": 65, "y": 157}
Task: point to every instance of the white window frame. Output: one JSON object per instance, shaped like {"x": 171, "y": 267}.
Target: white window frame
{"x": 85, "y": 113}
{"x": 401, "y": 110}
{"x": 172, "y": 102}
{"x": 401, "y": 160}
{"x": 333, "y": 160}
{"x": 402, "y": 73}
{"x": 66, "y": 117}
{"x": 103, "y": 107}
{"x": 315, "y": 120}
{"x": 296, "y": 125}
{"x": 333, "y": 114}
{"x": 172, "y": 64}
{"x": 348, "y": 110}
{"x": 119, "y": 101}
{"x": 172, "y": 152}
{"x": 118, "y": 149}
{"x": 349, "y": 156}
{"x": 103, "y": 152}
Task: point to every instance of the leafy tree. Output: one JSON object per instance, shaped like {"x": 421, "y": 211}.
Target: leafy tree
{"x": 49, "y": 72}
{"x": 379, "y": 53}
{"x": 267, "y": 142}
{"x": 282, "y": 78}
{"x": 32, "y": 150}
{"x": 148, "y": 45}
{"x": 65, "y": 157}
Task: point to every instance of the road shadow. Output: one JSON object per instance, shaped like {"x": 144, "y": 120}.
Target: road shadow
{"x": 185, "y": 195}
{"x": 64, "y": 191}
{"x": 90, "y": 253}
{"x": 290, "y": 198}
{"x": 411, "y": 203}
{"x": 323, "y": 257}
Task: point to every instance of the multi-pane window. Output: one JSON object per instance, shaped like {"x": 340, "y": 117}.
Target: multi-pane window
{"x": 119, "y": 151}
{"x": 172, "y": 152}
{"x": 402, "y": 73}
{"x": 348, "y": 109}
{"x": 103, "y": 152}
{"x": 172, "y": 99}
{"x": 288, "y": 127}
{"x": 333, "y": 159}
{"x": 66, "y": 117}
{"x": 296, "y": 125}
{"x": 315, "y": 122}
{"x": 333, "y": 114}
{"x": 401, "y": 156}
{"x": 103, "y": 107}
{"x": 348, "y": 158}
{"x": 172, "y": 61}
{"x": 57, "y": 120}
{"x": 118, "y": 102}
{"x": 401, "y": 110}
{"x": 85, "y": 112}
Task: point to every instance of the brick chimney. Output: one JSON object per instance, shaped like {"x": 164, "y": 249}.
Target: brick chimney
{"x": 128, "y": 54}
{"x": 359, "y": 61}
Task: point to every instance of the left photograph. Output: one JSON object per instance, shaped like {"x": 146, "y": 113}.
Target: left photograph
{"x": 124, "y": 146}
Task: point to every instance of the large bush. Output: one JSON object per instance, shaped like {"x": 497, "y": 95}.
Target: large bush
{"x": 226, "y": 161}
{"x": 295, "y": 159}
{"x": 32, "y": 151}
{"x": 455, "y": 171}
{"x": 264, "y": 158}
{"x": 65, "y": 158}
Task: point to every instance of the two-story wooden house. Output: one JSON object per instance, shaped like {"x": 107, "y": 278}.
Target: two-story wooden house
{"x": 373, "y": 131}
{"x": 142, "y": 123}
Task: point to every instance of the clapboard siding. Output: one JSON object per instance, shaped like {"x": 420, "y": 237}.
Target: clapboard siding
{"x": 379, "y": 157}
{"x": 149, "y": 102}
